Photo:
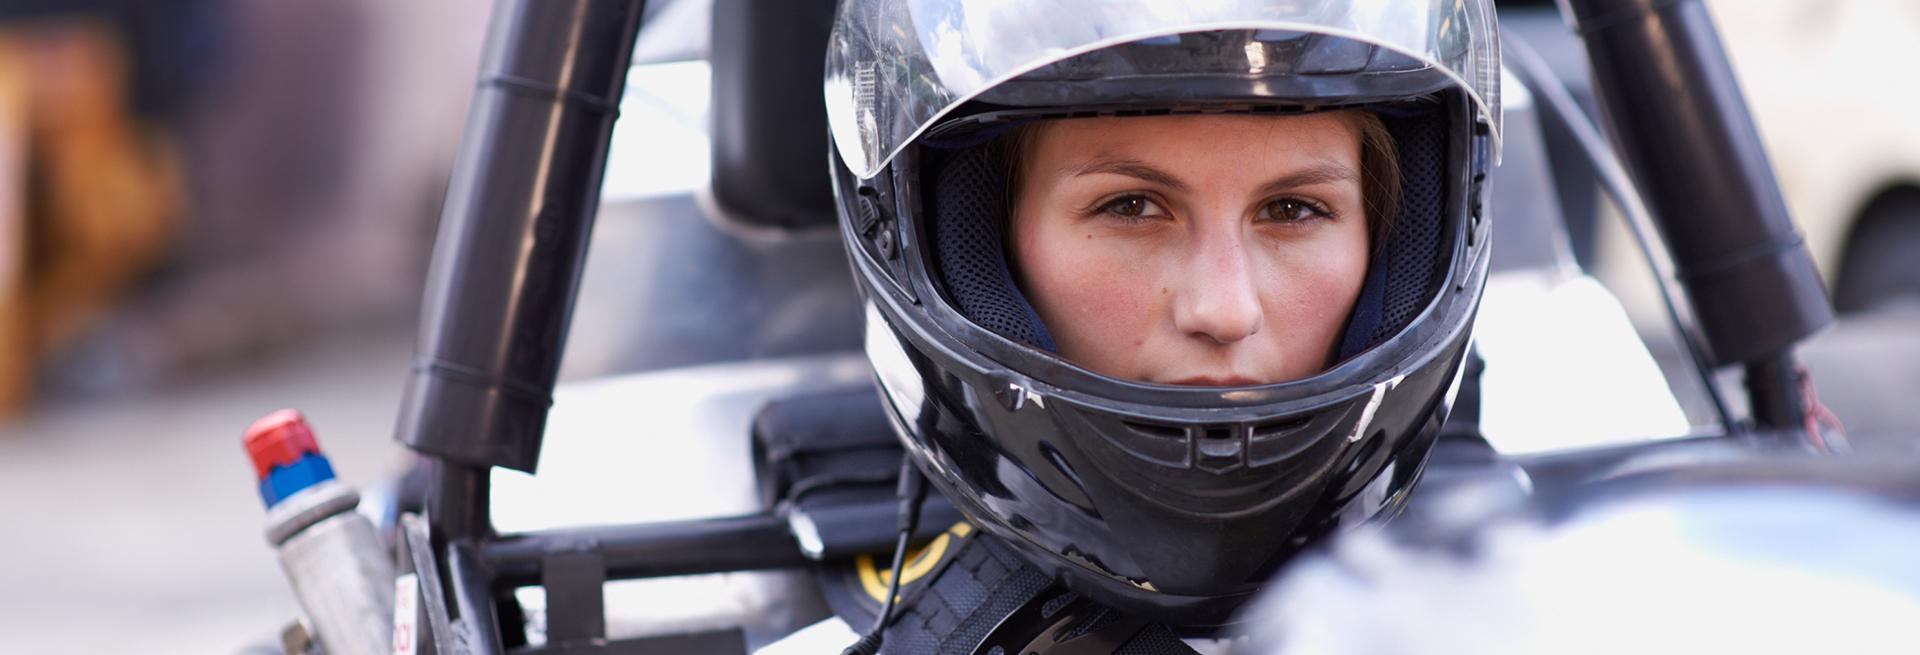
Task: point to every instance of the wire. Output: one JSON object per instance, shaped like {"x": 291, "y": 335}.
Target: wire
{"x": 912, "y": 491}
{"x": 1533, "y": 71}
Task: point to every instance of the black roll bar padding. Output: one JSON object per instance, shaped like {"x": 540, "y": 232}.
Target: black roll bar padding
{"x": 1677, "y": 111}
{"x": 514, "y": 231}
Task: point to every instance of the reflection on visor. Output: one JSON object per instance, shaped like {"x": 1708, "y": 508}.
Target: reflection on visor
{"x": 894, "y": 68}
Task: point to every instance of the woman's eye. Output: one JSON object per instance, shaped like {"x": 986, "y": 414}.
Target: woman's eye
{"x": 1133, "y": 207}
{"x": 1292, "y": 210}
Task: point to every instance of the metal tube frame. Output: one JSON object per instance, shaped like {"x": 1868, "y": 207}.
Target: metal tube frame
{"x": 506, "y": 270}
{"x": 652, "y": 550}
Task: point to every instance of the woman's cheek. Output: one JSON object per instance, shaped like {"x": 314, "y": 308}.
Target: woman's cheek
{"x": 1312, "y": 286}
{"x": 1111, "y": 294}
{"x": 1090, "y": 296}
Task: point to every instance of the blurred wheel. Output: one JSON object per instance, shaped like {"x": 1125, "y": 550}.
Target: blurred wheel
{"x": 1880, "y": 266}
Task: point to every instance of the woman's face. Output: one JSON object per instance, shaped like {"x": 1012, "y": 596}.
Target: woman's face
{"x": 1208, "y": 250}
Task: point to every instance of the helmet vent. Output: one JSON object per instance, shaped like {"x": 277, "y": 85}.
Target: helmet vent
{"x": 1161, "y": 444}
{"x": 1279, "y": 441}
{"x": 1217, "y": 448}
{"x": 1279, "y": 428}
{"x": 1155, "y": 430}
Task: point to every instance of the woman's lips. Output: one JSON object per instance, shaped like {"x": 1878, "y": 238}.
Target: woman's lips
{"x": 1215, "y": 381}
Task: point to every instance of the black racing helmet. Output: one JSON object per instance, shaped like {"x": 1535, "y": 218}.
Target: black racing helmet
{"x": 1171, "y": 502}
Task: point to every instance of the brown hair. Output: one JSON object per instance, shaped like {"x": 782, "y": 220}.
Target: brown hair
{"x": 1379, "y": 175}
{"x": 1379, "y": 169}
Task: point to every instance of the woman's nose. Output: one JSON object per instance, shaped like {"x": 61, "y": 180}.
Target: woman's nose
{"x": 1218, "y": 299}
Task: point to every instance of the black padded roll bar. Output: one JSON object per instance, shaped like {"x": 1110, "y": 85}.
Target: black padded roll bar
{"x": 1670, "y": 94}
{"x": 513, "y": 236}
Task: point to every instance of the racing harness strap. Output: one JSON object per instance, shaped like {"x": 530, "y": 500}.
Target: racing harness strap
{"x": 973, "y": 595}
{"x": 830, "y": 456}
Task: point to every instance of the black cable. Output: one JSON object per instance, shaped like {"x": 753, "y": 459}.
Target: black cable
{"x": 1612, "y": 175}
{"x": 912, "y": 491}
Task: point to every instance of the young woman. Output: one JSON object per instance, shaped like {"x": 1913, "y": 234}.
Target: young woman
{"x": 1159, "y": 292}
{"x": 1211, "y": 250}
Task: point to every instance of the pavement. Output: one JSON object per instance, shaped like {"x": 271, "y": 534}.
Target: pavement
{"x": 133, "y": 525}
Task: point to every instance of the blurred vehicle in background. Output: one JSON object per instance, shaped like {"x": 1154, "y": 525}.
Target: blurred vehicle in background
{"x": 1831, "y": 85}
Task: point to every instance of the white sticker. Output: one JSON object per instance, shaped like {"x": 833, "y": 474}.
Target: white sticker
{"x": 406, "y": 614}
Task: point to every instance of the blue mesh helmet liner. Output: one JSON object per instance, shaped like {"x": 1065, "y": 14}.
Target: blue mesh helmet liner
{"x": 967, "y": 206}
{"x": 1405, "y": 273}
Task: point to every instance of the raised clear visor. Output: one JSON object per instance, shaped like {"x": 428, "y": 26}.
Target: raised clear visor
{"x": 894, "y": 67}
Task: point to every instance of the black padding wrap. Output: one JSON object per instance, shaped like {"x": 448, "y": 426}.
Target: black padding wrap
{"x": 828, "y": 444}
{"x": 966, "y": 207}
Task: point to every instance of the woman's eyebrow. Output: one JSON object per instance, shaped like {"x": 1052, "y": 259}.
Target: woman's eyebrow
{"x": 1322, "y": 172}
{"x": 1131, "y": 168}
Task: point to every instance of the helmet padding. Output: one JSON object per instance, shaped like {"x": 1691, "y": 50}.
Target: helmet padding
{"x": 967, "y": 206}
{"x": 1405, "y": 274}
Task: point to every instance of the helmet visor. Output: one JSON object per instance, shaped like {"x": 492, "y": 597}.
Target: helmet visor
{"x": 896, "y": 67}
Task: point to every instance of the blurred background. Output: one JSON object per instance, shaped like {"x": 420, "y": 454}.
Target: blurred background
{"x": 211, "y": 209}
{"x": 208, "y": 209}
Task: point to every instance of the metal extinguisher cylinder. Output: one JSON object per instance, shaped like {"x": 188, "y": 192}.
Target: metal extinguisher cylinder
{"x": 339, "y": 571}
